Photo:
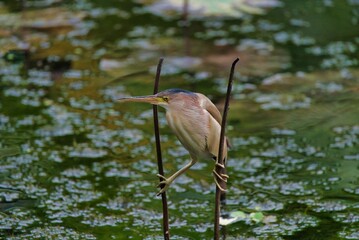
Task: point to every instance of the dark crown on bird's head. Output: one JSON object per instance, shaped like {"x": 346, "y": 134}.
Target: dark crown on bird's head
{"x": 176, "y": 95}
{"x": 174, "y": 91}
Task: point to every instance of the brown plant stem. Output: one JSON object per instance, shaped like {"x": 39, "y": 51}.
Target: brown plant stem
{"x": 220, "y": 152}
{"x": 166, "y": 229}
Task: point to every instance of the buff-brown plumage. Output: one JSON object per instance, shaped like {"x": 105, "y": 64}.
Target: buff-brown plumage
{"x": 196, "y": 122}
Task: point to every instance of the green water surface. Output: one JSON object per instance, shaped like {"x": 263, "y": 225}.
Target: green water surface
{"x": 75, "y": 164}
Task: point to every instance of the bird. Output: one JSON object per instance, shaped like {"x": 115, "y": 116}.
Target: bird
{"x": 196, "y": 122}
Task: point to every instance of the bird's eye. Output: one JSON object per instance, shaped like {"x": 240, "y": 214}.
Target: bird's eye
{"x": 165, "y": 99}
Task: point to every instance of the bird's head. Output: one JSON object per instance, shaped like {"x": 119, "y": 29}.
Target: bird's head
{"x": 163, "y": 99}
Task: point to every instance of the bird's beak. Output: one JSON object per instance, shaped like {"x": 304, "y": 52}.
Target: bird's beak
{"x": 153, "y": 99}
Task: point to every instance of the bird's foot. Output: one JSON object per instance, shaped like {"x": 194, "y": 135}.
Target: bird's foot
{"x": 164, "y": 184}
{"x": 219, "y": 185}
{"x": 221, "y": 176}
{"x": 220, "y": 165}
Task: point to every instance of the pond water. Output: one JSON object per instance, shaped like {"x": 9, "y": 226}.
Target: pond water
{"x": 74, "y": 164}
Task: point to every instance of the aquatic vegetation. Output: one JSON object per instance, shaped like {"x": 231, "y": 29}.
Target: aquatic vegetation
{"x": 76, "y": 165}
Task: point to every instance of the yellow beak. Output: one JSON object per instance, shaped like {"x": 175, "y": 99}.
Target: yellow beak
{"x": 153, "y": 99}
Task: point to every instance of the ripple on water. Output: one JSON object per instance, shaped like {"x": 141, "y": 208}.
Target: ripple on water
{"x": 249, "y": 165}
{"x": 352, "y": 157}
{"x": 266, "y": 204}
{"x": 116, "y": 204}
{"x": 79, "y": 172}
{"x": 241, "y": 141}
{"x": 326, "y": 206}
{"x": 55, "y": 131}
{"x": 287, "y": 225}
{"x": 18, "y": 219}
{"x": 53, "y": 232}
{"x": 282, "y": 101}
{"x": 39, "y": 78}
{"x": 62, "y": 122}
{"x": 297, "y": 188}
{"x": 350, "y": 233}
{"x": 347, "y": 217}
{"x": 329, "y": 206}
{"x": 27, "y": 97}
{"x": 89, "y": 104}
{"x": 84, "y": 150}
{"x": 352, "y": 190}
{"x": 145, "y": 166}
{"x": 131, "y": 136}
{"x": 9, "y": 195}
{"x": 143, "y": 217}
{"x": 113, "y": 93}
{"x": 30, "y": 120}
{"x": 78, "y": 191}
{"x": 24, "y": 159}
{"x": 285, "y": 132}
{"x": 348, "y": 136}
{"x": 100, "y": 220}
{"x": 103, "y": 137}
{"x": 330, "y": 87}
{"x": 114, "y": 169}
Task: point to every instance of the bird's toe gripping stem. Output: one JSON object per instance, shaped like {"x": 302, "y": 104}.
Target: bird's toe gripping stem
{"x": 221, "y": 176}
{"x": 164, "y": 184}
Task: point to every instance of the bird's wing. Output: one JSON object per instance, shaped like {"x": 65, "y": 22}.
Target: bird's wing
{"x": 213, "y": 110}
{"x": 210, "y": 107}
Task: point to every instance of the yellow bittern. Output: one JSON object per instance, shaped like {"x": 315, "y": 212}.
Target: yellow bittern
{"x": 196, "y": 121}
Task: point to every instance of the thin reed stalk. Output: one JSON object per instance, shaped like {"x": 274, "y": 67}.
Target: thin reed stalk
{"x": 219, "y": 170}
{"x": 166, "y": 229}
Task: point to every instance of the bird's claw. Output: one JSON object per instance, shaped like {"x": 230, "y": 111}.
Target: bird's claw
{"x": 219, "y": 186}
{"x": 164, "y": 184}
{"x": 223, "y": 177}
{"x": 220, "y": 165}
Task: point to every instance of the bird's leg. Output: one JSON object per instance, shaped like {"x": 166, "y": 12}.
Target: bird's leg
{"x": 166, "y": 182}
{"x": 218, "y": 174}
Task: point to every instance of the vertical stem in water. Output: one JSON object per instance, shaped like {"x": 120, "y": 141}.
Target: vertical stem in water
{"x": 219, "y": 170}
{"x": 166, "y": 230}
